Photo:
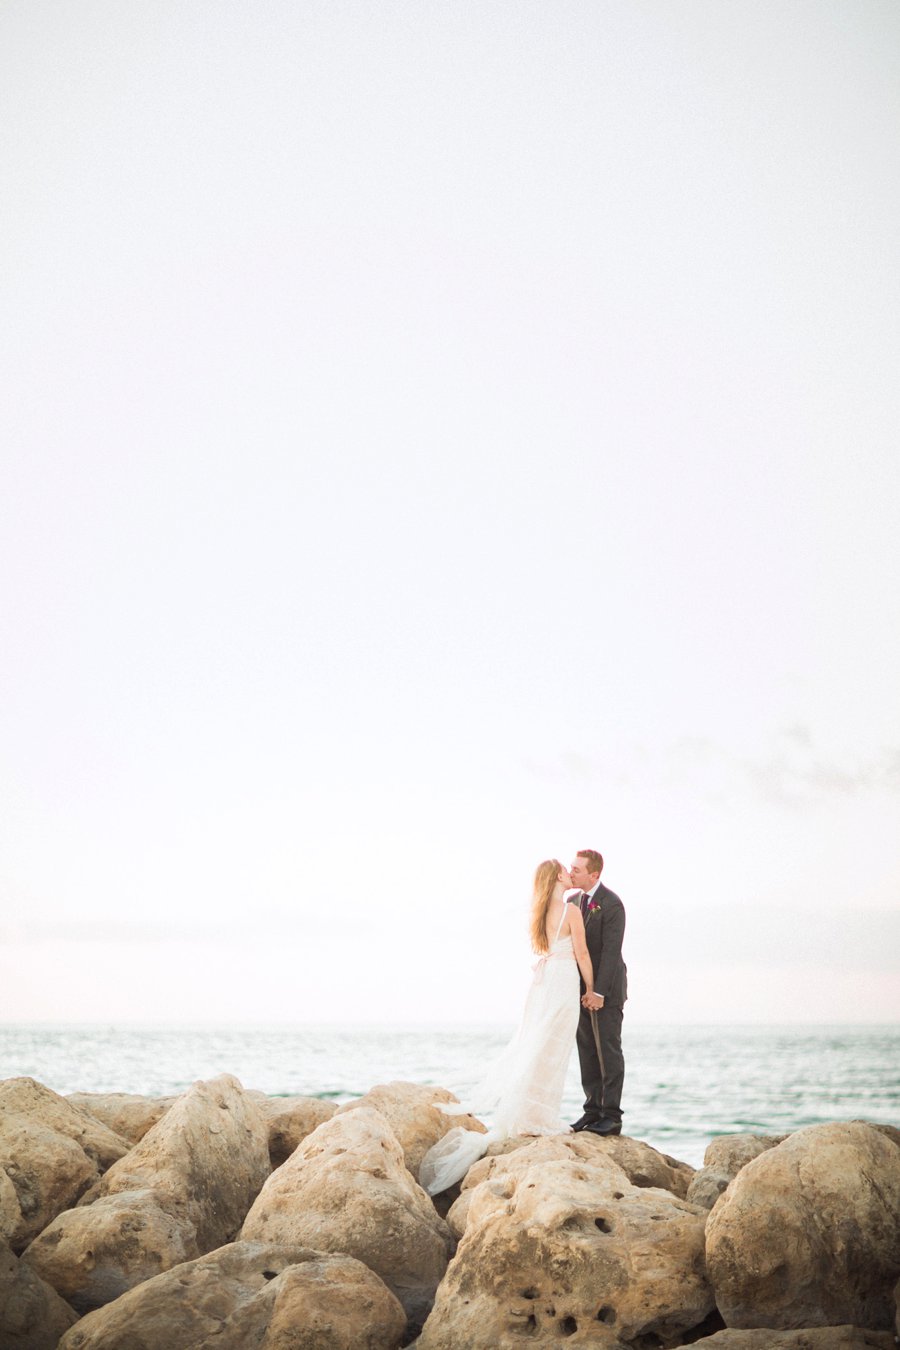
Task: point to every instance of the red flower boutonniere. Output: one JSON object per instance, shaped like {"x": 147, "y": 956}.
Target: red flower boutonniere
{"x": 593, "y": 906}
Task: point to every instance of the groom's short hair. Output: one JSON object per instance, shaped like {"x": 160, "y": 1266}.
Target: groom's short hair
{"x": 593, "y": 859}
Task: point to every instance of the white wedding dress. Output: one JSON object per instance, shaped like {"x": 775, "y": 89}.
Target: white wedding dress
{"x": 522, "y": 1090}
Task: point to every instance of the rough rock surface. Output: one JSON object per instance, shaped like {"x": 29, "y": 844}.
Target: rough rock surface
{"x": 808, "y": 1233}
{"x": 722, "y": 1161}
{"x": 290, "y": 1120}
{"x": 569, "y": 1249}
{"x": 270, "y": 1296}
{"x": 50, "y": 1153}
{"x": 889, "y": 1131}
{"x": 819, "y": 1338}
{"x": 92, "y": 1254}
{"x": 642, "y": 1164}
{"x": 182, "y": 1191}
{"x": 27, "y": 1097}
{"x": 417, "y": 1122}
{"x": 128, "y": 1114}
{"x": 637, "y": 1162}
{"x": 528, "y": 1153}
{"x": 32, "y": 1315}
{"x": 730, "y": 1152}
{"x": 347, "y": 1189}
{"x": 206, "y": 1160}
{"x": 10, "y": 1210}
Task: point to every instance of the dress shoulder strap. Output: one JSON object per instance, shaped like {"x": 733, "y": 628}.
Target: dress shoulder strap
{"x": 562, "y": 919}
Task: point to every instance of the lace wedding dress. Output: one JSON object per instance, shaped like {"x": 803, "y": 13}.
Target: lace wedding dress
{"x": 522, "y": 1090}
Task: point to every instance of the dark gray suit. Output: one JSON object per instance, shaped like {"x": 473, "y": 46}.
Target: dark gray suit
{"x": 599, "y": 1036}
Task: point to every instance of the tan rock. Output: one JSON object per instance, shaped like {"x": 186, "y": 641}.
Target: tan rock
{"x": 50, "y": 1153}
{"x": 808, "y": 1233}
{"x": 48, "y": 1173}
{"x": 346, "y": 1189}
{"x": 126, "y": 1113}
{"x": 645, "y": 1166}
{"x": 27, "y": 1097}
{"x": 10, "y": 1210}
{"x": 723, "y": 1159}
{"x": 527, "y": 1153}
{"x": 889, "y": 1131}
{"x": 458, "y": 1214}
{"x": 93, "y": 1254}
{"x": 819, "y": 1338}
{"x": 569, "y": 1250}
{"x": 410, "y": 1110}
{"x": 206, "y": 1160}
{"x": 270, "y": 1296}
{"x": 182, "y": 1191}
{"x": 290, "y": 1120}
{"x": 32, "y": 1315}
{"x": 730, "y": 1152}
{"x": 640, "y": 1164}
{"x": 706, "y": 1186}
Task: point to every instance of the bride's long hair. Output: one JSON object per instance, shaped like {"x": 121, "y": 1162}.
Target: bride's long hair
{"x": 545, "y": 879}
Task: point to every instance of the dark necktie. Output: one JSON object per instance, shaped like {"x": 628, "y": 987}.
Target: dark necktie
{"x": 584, "y": 904}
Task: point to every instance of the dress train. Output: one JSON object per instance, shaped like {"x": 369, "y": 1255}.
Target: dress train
{"x": 521, "y": 1092}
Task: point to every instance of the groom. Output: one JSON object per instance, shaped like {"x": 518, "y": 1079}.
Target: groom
{"x": 599, "y": 1036}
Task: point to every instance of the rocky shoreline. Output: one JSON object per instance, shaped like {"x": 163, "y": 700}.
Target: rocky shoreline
{"x": 224, "y": 1218}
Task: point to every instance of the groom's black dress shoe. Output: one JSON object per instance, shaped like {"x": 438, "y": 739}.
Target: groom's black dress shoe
{"x": 604, "y": 1127}
{"x": 584, "y": 1123}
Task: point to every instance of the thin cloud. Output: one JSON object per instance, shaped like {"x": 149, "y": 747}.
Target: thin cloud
{"x": 796, "y": 771}
{"x": 790, "y": 772}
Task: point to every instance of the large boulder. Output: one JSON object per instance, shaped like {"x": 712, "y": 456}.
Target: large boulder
{"x": 641, "y": 1163}
{"x": 127, "y": 1114}
{"x": 413, "y": 1114}
{"x": 722, "y": 1161}
{"x": 93, "y": 1254}
{"x": 808, "y": 1233}
{"x": 182, "y": 1191}
{"x": 627, "y": 1159}
{"x": 347, "y": 1189}
{"x": 25, "y": 1097}
{"x": 518, "y": 1160}
{"x": 32, "y": 1315}
{"x": 50, "y": 1154}
{"x": 206, "y": 1160}
{"x": 290, "y": 1120}
{"x": 568, "y": 1249}
{"x": 270, "y": 1296}
{"x": 818, "y": 1338}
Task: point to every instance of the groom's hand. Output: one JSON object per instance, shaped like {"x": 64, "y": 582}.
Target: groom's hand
{"x": 593, "y": 1002}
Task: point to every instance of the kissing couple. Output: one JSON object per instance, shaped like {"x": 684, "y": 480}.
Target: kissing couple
{"x": 577, "y": 993}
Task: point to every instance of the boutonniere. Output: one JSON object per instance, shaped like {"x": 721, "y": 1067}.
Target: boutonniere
{"x": 593, "y": 905}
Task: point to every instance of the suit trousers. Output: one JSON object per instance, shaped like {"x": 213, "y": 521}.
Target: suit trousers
{"x": 599, "y": 1041}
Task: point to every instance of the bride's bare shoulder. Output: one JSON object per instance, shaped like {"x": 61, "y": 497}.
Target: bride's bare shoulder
{"x": 575, "y": 917}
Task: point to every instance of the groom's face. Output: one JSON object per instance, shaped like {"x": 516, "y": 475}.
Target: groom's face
{"x": 581, "y": 877}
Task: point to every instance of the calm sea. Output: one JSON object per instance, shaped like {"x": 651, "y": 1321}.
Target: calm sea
{"x": 683, "y": 1085}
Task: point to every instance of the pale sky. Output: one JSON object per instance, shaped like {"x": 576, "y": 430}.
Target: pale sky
{"x": 437, "y": 437}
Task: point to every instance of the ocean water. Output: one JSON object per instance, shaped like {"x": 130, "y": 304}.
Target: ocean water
{"x": 683, "y": 1085}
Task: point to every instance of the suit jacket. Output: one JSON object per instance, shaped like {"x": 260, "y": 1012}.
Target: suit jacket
{"x": 604, "y": 929}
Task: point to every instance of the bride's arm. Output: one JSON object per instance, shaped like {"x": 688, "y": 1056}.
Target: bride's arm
{"x": 579, "y": 946}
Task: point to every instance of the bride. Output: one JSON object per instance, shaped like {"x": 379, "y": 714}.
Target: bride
{"x": 523, "y": 1089}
